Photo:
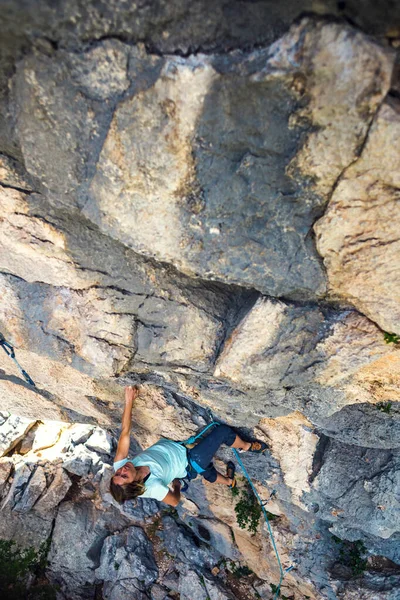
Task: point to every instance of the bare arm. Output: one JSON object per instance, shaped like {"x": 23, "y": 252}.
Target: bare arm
{"x": 173, "y": 498}
{"x": 131, "y": 393}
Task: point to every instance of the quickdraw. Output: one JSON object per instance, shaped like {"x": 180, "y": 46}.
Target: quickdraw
{"x": 9, "y": 350}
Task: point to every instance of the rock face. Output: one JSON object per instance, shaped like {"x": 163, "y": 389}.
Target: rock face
{"x": 205, "y": 203}
{"x": 358, "y": 235}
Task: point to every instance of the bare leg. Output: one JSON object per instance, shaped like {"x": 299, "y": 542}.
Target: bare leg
{"x": 222, "y": 479}
{"x": 241, "y": 444}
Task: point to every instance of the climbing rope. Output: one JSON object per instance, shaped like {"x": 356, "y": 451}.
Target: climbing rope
{"x": 262, "y": 503}
{"x": 9, "y": 350}
{"x": 282, "y": 571}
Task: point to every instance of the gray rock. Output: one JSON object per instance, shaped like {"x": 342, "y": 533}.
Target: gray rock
{"x": 143, "y": 69}
{"x": 34, "y": 489}
{"x": 80, "y": 433}
{"x": 171, "y": 581}
{"x": 181, "y": 544}
{"x": 127, "y": 559}
{"x": 216, "y": 534}
{"x": 122, "y": 591}
{"x": 365, "y": 425}
{"x": 155, "y": 341}
{"x": 217, "y": 163}
{"x": 26, "y": 529}
{"x": 101, "y": 71}
{"x": 263, "y": 590}
{"x": 12, "y": 431}
{"x": 94, "y": 330}
{"x": 373, "y": 586}
{"x": 141, "y": 511}
{"x": 242, "y": 188}
{"x": 170, "y": 30}
{"x": 158, "y": 592}
{"x": 55, "y": 492}
{"x": 100, "y": 441}
{"x": 78, "y": 537}
{"x": 216, "y": 591}
{"x": 355, "y": 489}
{"x": 65, "y": 127}
{"x": 81, "y": 461}
{"x": 6, "y": 465}
{"x": 22, "y": 474}
{"x": 225, "y": 207}
{"x": 191, "y": 586}
{"x": 13, "y": 174}
{"x": 286, "y": 351}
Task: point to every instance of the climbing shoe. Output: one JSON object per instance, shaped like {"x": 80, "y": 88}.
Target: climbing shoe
{"x": 230, "y": 473}
{"x": 258, "y": 447}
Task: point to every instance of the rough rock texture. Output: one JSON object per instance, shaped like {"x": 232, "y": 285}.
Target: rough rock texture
{"x": 358, "y": 236}
{"x": 201, "y": 178}
{"x": 13, "y": 429}
{"x": 204, "y": 202}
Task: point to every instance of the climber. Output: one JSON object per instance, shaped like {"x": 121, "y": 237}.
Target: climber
{"x": 149, "y": 474}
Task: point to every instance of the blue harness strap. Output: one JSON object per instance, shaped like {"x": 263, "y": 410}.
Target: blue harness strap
{"x": 196, "y": 466}
{"x": 199, "y": 469}
{"x": 191, "y": 440}
{"x": 9, "y": 350}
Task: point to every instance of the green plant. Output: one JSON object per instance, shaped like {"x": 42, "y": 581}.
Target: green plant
{"x": 235, "y": 491}
{"x": 16, "y": 564}
{"x": 271, "y": 516}
{"x": 238, "y": 571}
{"x": 391, "y": 338}
{"x": 42, "y": 592}
{"x": 248, "y": 511}
{"x": 385, "y": 407}
{"x": 351, "y": 555}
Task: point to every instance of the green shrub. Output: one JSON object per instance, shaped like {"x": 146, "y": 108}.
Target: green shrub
{"x": 385, "y": 407}
{"x": 351, "y": 555}
{"x": 16, "y": 564}
{"x": 235, "y": 491}
{"x": 271, "y": 516}
{"x": 391, "y": 338}
{"x": 248, "y": 511}
{"x": 238, "y": 571}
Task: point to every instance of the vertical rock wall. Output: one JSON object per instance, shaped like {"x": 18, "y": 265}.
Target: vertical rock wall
{"x": 210, "y": 210}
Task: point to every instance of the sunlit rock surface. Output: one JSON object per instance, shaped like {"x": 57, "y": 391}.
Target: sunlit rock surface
{"x": 204, "y": 203}
{"x": 359, "y": 234}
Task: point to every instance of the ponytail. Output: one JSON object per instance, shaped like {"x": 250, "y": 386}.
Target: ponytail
{"x": 130, "y": 491}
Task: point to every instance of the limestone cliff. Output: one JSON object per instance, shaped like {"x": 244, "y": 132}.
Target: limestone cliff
{"x": 205, "y": 202}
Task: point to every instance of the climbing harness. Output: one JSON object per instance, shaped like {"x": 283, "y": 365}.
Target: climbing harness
{"x": 9, "y": 350}
{"x": 262, "y": 503}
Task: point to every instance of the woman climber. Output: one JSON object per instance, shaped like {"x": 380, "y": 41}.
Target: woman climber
{"x": 151, "y": 472}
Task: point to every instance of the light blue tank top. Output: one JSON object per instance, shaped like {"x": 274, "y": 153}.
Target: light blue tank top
{"x": 167, "y": 461}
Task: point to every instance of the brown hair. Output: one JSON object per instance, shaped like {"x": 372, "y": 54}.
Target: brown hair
{"x": 129, "y": 491}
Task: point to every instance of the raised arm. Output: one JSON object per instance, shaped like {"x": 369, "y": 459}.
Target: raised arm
{"x": 131, "y": 393}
